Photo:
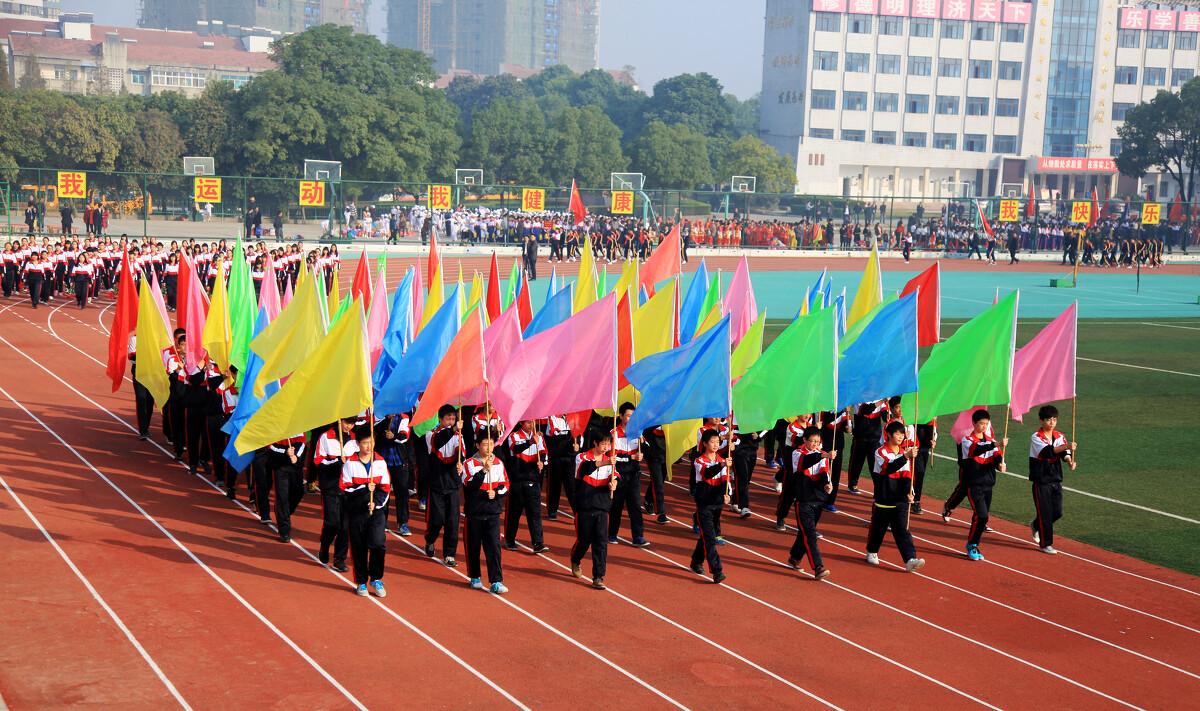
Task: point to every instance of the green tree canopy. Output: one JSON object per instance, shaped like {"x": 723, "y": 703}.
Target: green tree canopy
{"x": 750, "y": 156}
{"x": 1164, "y": 133}
{"x": 672, "y": 156}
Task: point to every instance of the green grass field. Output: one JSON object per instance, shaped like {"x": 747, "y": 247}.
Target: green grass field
{"x": 1135, "y": 428}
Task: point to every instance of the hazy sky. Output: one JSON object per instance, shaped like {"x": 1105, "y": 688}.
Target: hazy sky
{"x": 660, "y": 38}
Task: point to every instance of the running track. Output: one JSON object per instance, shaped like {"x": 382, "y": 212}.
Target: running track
{"x": 137, "y": 584}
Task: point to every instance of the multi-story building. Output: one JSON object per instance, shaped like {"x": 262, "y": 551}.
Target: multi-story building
{"x": 931, "y": 98}
{"x": 36, "y": 9}
{"x": 487, "y": 37}
{"x": 279, "y": 15}
{"x": 75, "y": 56}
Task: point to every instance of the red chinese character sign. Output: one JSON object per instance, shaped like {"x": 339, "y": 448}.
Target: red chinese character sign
{"x": 1151, "y": 213}
{"x": 925, "y": 8}
{"x": 533, "y": 200}
{"x": 1010, "y": 210}
{"x": 312, "y": 193}
{"x": 986, "y": 11}
{"x": 206, "y": 189}
{"x": 441, "y": 197}
{"x": 622, "y": 202}
{"x": 72, "y": 184}
{"x": 1081, "y": 212}
{"x": 1017, "y": 12}
{"x": 893, "y": 8}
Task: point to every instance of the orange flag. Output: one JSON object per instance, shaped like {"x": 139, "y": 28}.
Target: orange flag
{"x": 124, "y": 322}
{"x": 578, "y": 209}
{"x": 460, "y": 371}
{"x": 664, "y": 263}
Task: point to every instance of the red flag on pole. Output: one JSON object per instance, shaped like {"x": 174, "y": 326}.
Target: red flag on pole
{"x": 523, "y": 304}
{"x": 493, "y": 292}
{"x": 1094, "y": 213}
{"x": 124, "y": 322}
{"x": 578, "y": 210}
{"x": 1176, "y": 214}
{"x": 983, "y": 220}
{"x": 361, "y": 287}
{"x": 664, "y": 263}
{"x": 1031, "y": 203}
{"x": 929, "y": 304}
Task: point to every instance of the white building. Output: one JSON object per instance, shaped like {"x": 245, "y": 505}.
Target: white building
{"x": 932, "y": 98}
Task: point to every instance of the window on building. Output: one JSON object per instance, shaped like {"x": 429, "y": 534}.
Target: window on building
{"x": 829, "y": 22}
{"x": 916, "y": 103}
{"x": 858, "y": 62}
{"x": 1119, "y": 109}
{"x": 915, "y": 140}
{"x": 887, "y": 64}
{"x": 824, "y": 99}
{"x": 887, "y": 102}
{"x": 974, "y": 142}
{"x": 1114, "y": 147}
{"x": 238, "y": 80}
{"x": 858, "y": 24}
{"x": 138, "y": 78}
{"x": 977, "y": 106}
{"x": 173, "y": 77}
{"x": 1181, "y": 76}
{"x": 1157, "y": 39}
{"x": 945, "y": 141}
{"x": 893, "y": 26}
{"x": 1009, "y": 71}
{"x": 983, "y": 31}
{"x": 1013, "y": 33}
{"x": 1004, "y": 144}
{"x": 1008, "y": 107}
{"x": 981, "y": 69}
{"x": 1154, "y": 76}
{"x": 854, "y": 134}
{"x": 1185, "y": 40}
{"x": 953, "y": 29}
{"x": 919, "y": 66}
{"x": 1125, "y": 75}
{"x": 946, "y": 105}
{"x": 820, "y": 133}
{"x": 884, "y": 138}
{"x": 920, "y": 27}
{"x": 854, "y": 100}
{"x": 1129, "y": 38}
{"x": 949, "y": 67}
{"x": 826, "y": 61}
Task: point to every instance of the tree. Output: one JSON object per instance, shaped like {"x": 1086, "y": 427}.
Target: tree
{"x": 31, "y": 78}
{"x": 672, "y": 156}
{"x": 154, "y": 146}
{"x": 622, "y": 104}
{"x": 693, "y": 100}
{"x": 508, "y": 140}
{"x": 1164, "y": 133}
{"x": 470, "y": 94}
{"x": 750, "y": 156}
{"x": 583, "y": 144}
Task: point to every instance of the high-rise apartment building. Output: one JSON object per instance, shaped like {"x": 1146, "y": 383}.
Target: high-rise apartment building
{"x": 29, "y": 9}
{"x": 966, "y": 96}
{"x": 488, "y": 37}
{"x": 280, "y": 15}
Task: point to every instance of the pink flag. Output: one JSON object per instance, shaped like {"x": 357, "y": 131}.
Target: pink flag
{"x": 156, "y": 293}
{"x": 268, "y": 293}
{"x": 377, "y": 320}
{"x": 567, "y": 368}
{"x": 195, "y": 315}
{"x": 739, "y": 303}
{"x": 418, "y": 301}
{"x": 1044, "y": 368}
{"x": 287, "y": 294}
{"x": 499, "y": 341}
{"x": 963, "y": 424}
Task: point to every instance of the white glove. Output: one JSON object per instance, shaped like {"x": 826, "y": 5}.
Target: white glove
{"x": 779, "y": 488}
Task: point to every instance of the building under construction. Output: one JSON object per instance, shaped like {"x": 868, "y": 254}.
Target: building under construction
{"x": 279, "y": 15}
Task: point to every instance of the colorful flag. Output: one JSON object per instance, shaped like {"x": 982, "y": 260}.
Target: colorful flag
{"x": 577, "y": 208}
{"x": 774, "y": 387}
{"x": 654, "y": 325}
{"x": 691, "y": 309}
{"x": 556, "y": 310}
{"x": 499, "y": 341}
{"x": 254, "y": 391}
{"x": 287, "y": 341}
{"x": 585, "y": 283}
{"x": 434, "y": 297}
{"x": 929, "y": 304}
{"x": 377, "y": 319}
{"x": 152, "y": 340}
{"x": 883, "y": 361}
{"x": 216, "y": 334}
{"x": 739, "y": 302}
{"x": 460, "y": 370}
{"x": 688, "y": 382}
{"x": 983, "y": 220}
{"x": 1044, "y": 368}
{"x": 749, "y": 349}
{"x": 493, "y": 290}
{"x": 523, "y": 304}
{"x": 511, "y": 286}
{"x": 360, "y": 288}
{"x": 870, "y": 290}
{"x": 399, "y": 328}
{"x": 410, "y": 376}
{"x": 192, "y": 311}
{"x": 664, "y": 262}
{"x": 124, "y": 322}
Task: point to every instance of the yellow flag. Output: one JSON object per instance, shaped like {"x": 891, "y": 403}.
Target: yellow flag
{"x": 216, "y": 336}
{"x": 712, "y": 319}
{"x": 290, "y": 338}
{"x": 152, "y": 340}
{"x": 628, "y": 280}
{"x": 870, "y": 290}
{"x": 303, "y": 277}
{"x": 433, "y": 300}
{"x": 680, "y": 436}
{"x": 476, "y": 296}
{"x": 749, "y": 348}
{"x": 585, "y": 284}
{"x": 462, "y": 294}
{"x": 333, "y": 382}
{"x": 654, "y": 325}
{"x": 334, "y": 300}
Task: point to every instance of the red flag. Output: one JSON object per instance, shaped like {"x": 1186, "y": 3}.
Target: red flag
{"x": 577, "y": 207}
{"x": 1176, "y": 214}
{"x": 460, "y": 370}
{"x": 929, "y": 304}
{"x": 987, "y": 226}
{"x": 124, "y": 322}
{"x": 1095, "y": 211}
{"x": 361, "y": 287}
{"x": 664, "y": 263}
{"x": 577, "y": 422}
{"x": 1031, "y": 203}
{"x": 524, "y": 306}
{"x": 183, "y": 282}
{"x": 493, "y": 292}
{"x": 624, "y": 339}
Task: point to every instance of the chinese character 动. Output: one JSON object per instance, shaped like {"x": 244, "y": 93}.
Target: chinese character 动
{"x": 312, "y": 193}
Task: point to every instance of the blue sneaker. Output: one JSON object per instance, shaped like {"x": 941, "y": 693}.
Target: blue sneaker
{"x": 721, "y": 541}
{"x": 404, "y": 530}
{"x": 830, "y": 508}
{"x": 476, "y": 584}
{"x": 612, "y": 540}
{"x": 498, "y": 588}
{"x": 362, "y": 590}
{"x": 378, "y": 589}
{"x": 973, "y": 552}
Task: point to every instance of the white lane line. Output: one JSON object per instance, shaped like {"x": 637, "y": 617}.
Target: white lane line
{"x": 437, "y": 645}
{"x": 188, "y": 552}
{"x": 98, "y": 598}
{"x": 1139, "y": 367}
{"x": 1170, "y": 325}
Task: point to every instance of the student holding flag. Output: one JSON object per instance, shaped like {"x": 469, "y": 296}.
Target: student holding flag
{"x": 563, "y": 447}
{"x": 892, "y": 478}
{"x": 1048, "y": 448}
{"x": 445, "y": 444}
{"x": 333, "y": 450}
{"x": 595, "y": 482}
{"x": 528, "y": 458}
{"x": 627, "y": 456}
{"x": 813, "y": 487}
{"x": 980, "y": 459}
{"x": 392, "y": 436}
{"x": 366, "y": 488}
{"x": 711, "y": 492}
{"x": 485, "y": 484}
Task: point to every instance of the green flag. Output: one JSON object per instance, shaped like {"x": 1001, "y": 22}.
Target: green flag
{"x": 749, "y": 348}
{"x": 796, "y": 374}
{"x": 243, "y": 308}
{"x": 510, "y": 289}
{"x": 713, "y": 296}
{"x": 973, "y": 366}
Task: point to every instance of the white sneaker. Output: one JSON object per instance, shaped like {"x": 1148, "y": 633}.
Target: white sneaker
{"x": 872, "y": 559}
{"x": 914, "y": 564}
{"x": 1049, "y": 549}
{"x": 1037, "y": 538}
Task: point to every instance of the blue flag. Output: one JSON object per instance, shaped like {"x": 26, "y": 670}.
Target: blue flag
{"x": 552, "y": 287}
{"x": 684, "y": 383}
{"x": 883, "y": 361}
{"x": 248, "y": 402}
{"x": 693, "y": 301}
{"x": 399, "y": 331}
{"x": 409, "y": 377}
{"x": 556, "y": 310}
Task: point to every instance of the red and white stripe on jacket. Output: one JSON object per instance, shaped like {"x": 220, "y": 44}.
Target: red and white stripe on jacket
{"x": 704, "y": 461}
{"x": 296, "y": 442}
{"x": 795, "y": 431}
{"x": 494, "y": 477}
{"x": 599, "y": 476}
{"x": 624, "y": 446}
{"x": 448, "y": 453}
{"x": 330, "y": 449}
{"x": 527, "y": 454}
{"x": 814, "y": 472}
{"x": 969, "y": 447}
{"x": 356, "y": 475}
{"x": 1040, "y": 440}
{"x": 885, "y": 456}
{"x": 229, "y": 397}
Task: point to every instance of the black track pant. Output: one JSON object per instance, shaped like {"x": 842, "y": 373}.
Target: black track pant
{"x": 706, "y": 544}
{"x": 400, "y": 494}
{"x": 144, "y": 402}
{"x": 524, "y": 497}
{"x": 368, "y": 543}
{"x": 289, "y": 490}
{"x": 861, "y": 451}
{"x": 628, "y": 497}
{"x": 806, "y": 537}
{"x": 1047, "y": 503}
{"x": 896, "y": 518}
{"x": 920, "y": 464}
{"x": 591, "y": 531}
{"x": 654, "y": 487}
{"x": 743, "y": 470}
{"x": 484, "y": 534}
{"x": 442, "y": 512}
{"x": 560, "y": 478}
{"x": 980, "y": 496}
{"x": 333, "y": 514}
